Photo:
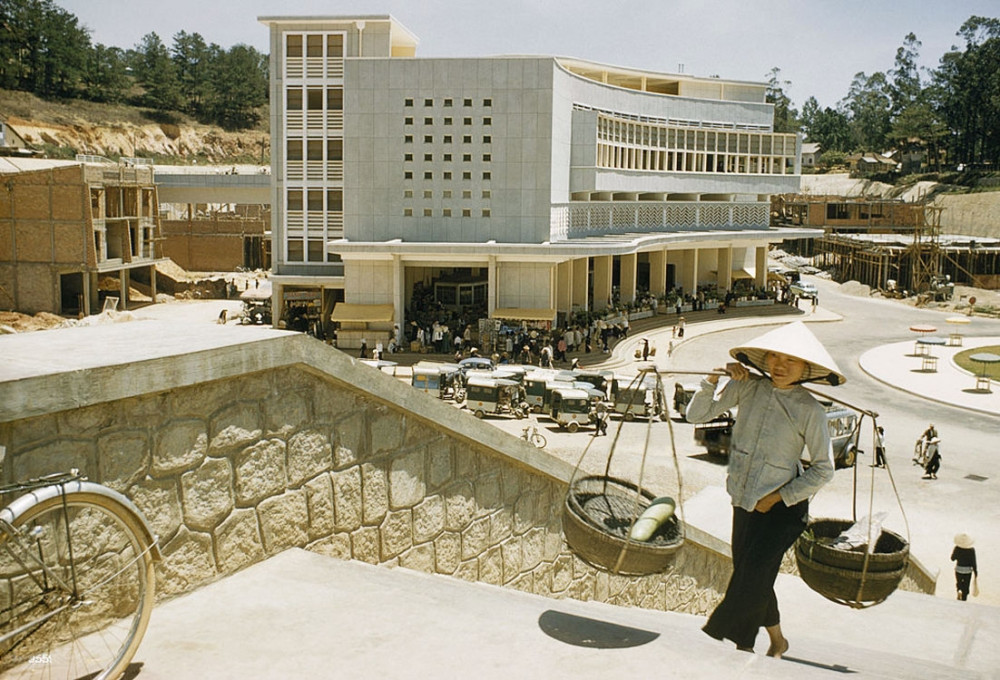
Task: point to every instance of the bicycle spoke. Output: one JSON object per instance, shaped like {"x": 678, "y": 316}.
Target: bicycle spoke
{"x": 105, "y": 596}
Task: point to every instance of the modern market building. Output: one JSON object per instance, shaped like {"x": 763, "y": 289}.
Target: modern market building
{"x": 524, "y": 187}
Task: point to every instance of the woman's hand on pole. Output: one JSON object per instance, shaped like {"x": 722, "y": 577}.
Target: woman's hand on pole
{"x": 733, "y": 369}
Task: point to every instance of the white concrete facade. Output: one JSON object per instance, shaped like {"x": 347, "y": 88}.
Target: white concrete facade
{"x": 521, "y": 172}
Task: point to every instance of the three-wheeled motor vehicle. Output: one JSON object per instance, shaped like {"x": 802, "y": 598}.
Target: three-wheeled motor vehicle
{"x": 445, "y": 381}
{"x": 256, "y": 306}
{"x": 602, "y": 380}
{"x": 492, "y": 396}
{"x": 570, "y": 407}
{"x": 640, "y": 399}
{"x": 534, "y": 387}
{"x": 551, "y": 385}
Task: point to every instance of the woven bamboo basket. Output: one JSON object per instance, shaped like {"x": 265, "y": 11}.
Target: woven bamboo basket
{"x": 843, "y": 575}
{"x": 597, "y": 516}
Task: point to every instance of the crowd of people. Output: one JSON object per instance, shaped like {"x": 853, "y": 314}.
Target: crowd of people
{"x": 439, "y": 329}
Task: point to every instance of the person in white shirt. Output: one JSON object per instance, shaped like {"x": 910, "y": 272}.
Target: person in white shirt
{"x": 768, "y": 485}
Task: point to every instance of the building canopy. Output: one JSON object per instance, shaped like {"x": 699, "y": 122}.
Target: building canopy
{"x": 523, "y": 314}
{"x": 352, "y": 313}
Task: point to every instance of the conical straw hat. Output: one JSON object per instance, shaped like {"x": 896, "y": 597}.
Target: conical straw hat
{"x": 963, "y": 540}
{"x": 795, "y": 340}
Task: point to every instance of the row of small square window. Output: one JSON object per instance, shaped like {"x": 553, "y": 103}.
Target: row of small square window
{"x": 448, "y": 102}
{"x": 446, "y": 212}
{"x": 447, "y": 193}
{"x": 466, "y": 157}
{"x": 447, "y": 175}
{"x": 487, "y": 120}
{"x": 448, "y": 139}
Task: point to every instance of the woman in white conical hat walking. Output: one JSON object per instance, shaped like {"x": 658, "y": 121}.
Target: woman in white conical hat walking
{"x": 777, "y": 419}
{"x": 966, "y": 569}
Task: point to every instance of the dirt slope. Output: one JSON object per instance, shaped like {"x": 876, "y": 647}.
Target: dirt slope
{"x": 113, "y": 131}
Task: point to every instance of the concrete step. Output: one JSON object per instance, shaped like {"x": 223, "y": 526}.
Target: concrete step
{"x": 305, "y": 615}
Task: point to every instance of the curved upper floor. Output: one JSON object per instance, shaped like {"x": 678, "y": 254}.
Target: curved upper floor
{"x": 671, "y": 84}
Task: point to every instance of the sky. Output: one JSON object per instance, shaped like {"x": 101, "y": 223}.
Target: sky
{"x": 818, "y": 45}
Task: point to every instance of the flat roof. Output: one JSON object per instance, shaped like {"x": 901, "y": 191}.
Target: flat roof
{"x": 12, "y": 164}
{"x": 345, "y": 18}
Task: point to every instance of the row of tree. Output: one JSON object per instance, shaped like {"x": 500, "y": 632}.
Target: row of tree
{"x": 951, "y": 112}
{"x": 46, "y": 51}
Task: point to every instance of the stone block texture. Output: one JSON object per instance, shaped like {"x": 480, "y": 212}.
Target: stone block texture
{"x": 228, "y": 473}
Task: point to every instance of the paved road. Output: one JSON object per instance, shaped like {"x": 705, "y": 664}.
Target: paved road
{"x": 936, "y": 509}
{"x": 966, "y": 497}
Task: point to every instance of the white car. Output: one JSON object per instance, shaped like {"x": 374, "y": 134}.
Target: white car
{"x": 803, "y": 289}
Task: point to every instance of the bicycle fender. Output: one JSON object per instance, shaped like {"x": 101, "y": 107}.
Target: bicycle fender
{"x": 22, "y": 503}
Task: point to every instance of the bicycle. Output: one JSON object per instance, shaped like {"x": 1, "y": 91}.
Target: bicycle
{"x": 76, "y": 578}
{"x": 534, "y": 437}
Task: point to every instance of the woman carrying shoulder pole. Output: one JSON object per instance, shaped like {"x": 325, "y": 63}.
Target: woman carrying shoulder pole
{"x": 776, "y": 420}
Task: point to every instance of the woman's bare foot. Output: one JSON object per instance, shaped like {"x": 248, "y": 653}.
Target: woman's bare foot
{"x": 778, "y": 648}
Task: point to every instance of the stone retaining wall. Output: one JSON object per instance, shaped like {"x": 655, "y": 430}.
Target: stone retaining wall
{"x": 231, "y": 471}
{"x": 238, "y": 452}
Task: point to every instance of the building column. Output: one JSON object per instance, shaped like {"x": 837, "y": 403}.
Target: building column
{"x": 658, "y": 273}
{"x": 123, "y": 286}
{"x": 89, "y": 292}
{"x": 689, "y": 271}
{"x": 602, "y": 282}
{"x": 152, "y": 282}
{"x": 579, "y": 295}
{"x": 277, "y": 295}
{"x": 491, "y": 286}
{"x": 725, "y": 271}
{"x": 564, "y": 287}
{"x": 760, "y": 275}
{"x": 627, "y": 277}
{"x": 398, "y": 292}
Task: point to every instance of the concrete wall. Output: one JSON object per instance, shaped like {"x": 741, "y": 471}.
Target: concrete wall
{"x": 244, "y": 449}
{"x": 380, "y": 95}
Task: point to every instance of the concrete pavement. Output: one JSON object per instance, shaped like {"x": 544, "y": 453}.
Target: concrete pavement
{"x": 896, "y": 365}
{"x": 303, "y": 615}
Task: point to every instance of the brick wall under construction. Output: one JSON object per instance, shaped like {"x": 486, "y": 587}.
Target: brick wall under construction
{"x": 215, "y": 244}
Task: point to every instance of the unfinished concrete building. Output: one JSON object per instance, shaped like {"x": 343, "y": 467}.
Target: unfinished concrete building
{"x": 914, "y": 263}
{"x": 847, "y": 214}
{"x": 215, "y": 219}
{"x": 888, "y": 242}
{"x": 75, "y": 233}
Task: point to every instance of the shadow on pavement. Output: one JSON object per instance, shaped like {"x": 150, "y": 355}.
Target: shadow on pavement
{"x": 583, "y": 632}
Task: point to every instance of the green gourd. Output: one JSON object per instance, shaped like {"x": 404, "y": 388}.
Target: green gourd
{"x": 658, "y": 512}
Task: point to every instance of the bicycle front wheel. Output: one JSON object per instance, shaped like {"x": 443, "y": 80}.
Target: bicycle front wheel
{"x": 76, "y": 588}
{"x": 538, "y": 440}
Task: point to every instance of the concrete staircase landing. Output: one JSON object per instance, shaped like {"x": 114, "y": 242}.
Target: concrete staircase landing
{"x": 303, "y": 615}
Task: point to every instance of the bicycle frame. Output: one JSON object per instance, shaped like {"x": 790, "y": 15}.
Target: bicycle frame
{"x": 38, "y": 571}
{"x": 21, "y": 550}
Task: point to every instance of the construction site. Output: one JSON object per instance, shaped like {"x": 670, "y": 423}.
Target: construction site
{"x": 895, "y": 247}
